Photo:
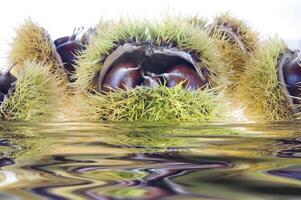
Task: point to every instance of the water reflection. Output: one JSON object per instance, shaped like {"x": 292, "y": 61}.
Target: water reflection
{"x": 150, "y": 161}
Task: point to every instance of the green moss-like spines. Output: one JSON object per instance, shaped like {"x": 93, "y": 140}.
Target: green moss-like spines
{"x": 156, "y": 104}
{"x": 36, "y": 97}
{"x": 259, "y": 88}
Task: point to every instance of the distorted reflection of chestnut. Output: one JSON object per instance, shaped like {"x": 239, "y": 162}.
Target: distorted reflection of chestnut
{"x": 122, "y": 76}
{"x": 292, "y": 77}
{"x": 4, "y": 161}
{"x": 182, "y": 73}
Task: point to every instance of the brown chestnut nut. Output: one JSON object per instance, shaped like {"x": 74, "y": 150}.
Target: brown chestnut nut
{"x": 61, "y": 40}
{"x": 182, "y": 73}
{"x": 67, "y": 47}
{"x": 6, "y": 80}
{"x": 292, "y": 77}
{"x": 122, "y": 76}
{"x": 67, "y": 51}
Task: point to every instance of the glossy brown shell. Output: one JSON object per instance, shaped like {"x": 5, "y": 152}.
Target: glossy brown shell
{"x": 148, "y": 56}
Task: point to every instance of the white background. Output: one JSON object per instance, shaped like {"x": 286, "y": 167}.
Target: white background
{"x": 60, "y": 17}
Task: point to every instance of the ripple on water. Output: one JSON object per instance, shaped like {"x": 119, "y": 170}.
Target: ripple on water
{"x": 150, "y": 161}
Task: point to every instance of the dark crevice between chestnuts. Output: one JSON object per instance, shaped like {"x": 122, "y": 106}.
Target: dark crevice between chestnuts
{"x": 289, "y": 74}
{"x": 132, "y": 65}
{"x": 7, "y": 84}
{"x": 69, "y": 46}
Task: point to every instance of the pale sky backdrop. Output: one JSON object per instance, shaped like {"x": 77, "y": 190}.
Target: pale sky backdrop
{"x": 59, "y": 17}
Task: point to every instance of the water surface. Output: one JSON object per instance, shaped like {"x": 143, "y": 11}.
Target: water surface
{"x": 150, "y": 161}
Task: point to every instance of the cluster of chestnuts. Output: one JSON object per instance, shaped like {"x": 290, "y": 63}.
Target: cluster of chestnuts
{"x": 128, "y": 75}
{"x": 146, "y": 65}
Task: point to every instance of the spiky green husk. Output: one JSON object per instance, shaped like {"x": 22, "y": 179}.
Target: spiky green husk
{"x": 259, "y": 88}
{"x": 36, "y": 97}
{"x": 248, "y": 36}
{"x": 32, "y": 42}
{"x": 171, "y": 33}
{"x": 156, "y": 104}
{"x": 234, "y": 54}
{"x": 90, "y": 61}
{"x": 198, "y": 21}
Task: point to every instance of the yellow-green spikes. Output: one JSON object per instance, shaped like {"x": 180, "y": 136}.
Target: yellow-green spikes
{"x": 156, "y": 104}
{"x": 36, "y": 97}
{"x": 32, "y": 42}
{"x": 236, "y": 41}
{"x": 259, "y": 88}
{"x": 151, "y": 104}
